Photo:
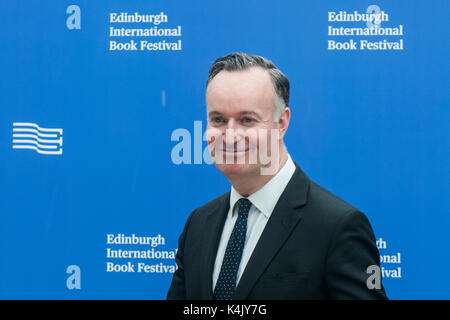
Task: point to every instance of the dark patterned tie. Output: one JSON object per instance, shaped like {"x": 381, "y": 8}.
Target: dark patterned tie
{"x": 226, "y": 283}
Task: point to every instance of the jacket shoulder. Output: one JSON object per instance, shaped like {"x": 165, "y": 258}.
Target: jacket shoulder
{"x": 326, "y": 207}
{"x": 328, "y": 199}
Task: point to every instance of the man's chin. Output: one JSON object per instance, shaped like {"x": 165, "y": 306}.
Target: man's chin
{"x": 236, "y": 169}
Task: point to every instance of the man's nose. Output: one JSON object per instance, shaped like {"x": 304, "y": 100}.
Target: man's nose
{"x": 232, "y": 133}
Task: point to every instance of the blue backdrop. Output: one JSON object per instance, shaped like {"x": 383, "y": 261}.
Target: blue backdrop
{"x": 372, "y": 126}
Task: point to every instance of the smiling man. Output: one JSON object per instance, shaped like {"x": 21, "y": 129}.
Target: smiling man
{"x": 276, "y": 234}
{"x": 244, "y": 126}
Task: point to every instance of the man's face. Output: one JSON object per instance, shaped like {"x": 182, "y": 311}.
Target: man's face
{"x": 240, "y": 109}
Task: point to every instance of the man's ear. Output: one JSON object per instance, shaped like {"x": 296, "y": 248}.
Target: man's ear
{"x": 283, "y": 122}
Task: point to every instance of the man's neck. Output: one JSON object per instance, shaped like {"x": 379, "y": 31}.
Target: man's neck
{"x": 249, "y": 184}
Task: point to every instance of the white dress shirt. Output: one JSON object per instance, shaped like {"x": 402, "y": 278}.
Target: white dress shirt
{"x": 263, "y": 202}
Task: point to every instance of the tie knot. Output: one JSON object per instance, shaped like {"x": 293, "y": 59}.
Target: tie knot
{"x": 244, "y": 206}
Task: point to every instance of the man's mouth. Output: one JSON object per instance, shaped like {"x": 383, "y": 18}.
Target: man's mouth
{"x": 233, "y": 150}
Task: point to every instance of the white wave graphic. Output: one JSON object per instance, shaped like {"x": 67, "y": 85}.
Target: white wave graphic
{"x": 31, "y": 136}
{"x": 27, "y": 135}
{"x": 37, "y": 149}
{"x": 29, "y": 124}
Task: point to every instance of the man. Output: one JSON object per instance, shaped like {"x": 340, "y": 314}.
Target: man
{"x": 276, "y": 234}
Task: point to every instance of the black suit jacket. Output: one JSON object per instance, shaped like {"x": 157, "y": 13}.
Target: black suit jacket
{"x": 314, "y": 246}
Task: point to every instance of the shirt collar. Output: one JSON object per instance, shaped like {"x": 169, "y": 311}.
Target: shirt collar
{"x": 267, "y": 197}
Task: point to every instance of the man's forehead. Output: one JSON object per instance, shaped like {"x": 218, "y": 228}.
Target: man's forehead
{"x": 213, "y": 113}
{"x": 237, "y": 86}
{"x": 253, "y": 77}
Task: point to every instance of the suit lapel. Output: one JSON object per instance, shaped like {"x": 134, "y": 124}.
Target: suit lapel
{"x": 213, "y": 231}
{"x": 285, "y": 216}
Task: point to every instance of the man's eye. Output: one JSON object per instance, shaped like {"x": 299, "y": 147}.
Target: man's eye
{"x": 217, "y": 120}
{"x": 247, "y": 120}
